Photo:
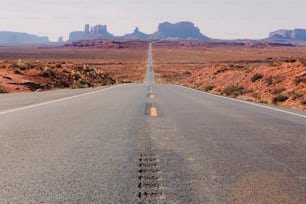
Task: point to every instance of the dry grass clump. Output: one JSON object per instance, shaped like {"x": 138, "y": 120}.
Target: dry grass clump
{"x": 256, "y": 77}
{"x": 209, "y": 88}
{"x": 234, "y": 91}
{"x": 2, "y": 90}
{"x": 280, "y": 98}
{"x": 300, "y": 79}
{"x": 19, "y": 65}
{"x": 278, "y": 91}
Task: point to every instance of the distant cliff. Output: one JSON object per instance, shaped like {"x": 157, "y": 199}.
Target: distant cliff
{"x": 288, "y": 35}
{"x": 135, "y": 35}
{"x": 96, "y": 32}
{"x": 15, "y": 37}
{"x": 182, "y": 30}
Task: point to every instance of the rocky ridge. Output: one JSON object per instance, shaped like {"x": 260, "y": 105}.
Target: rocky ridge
{"x": 16, "y": 37}
{"x": 288, "y": 35}
{"x": 178, "y": 31}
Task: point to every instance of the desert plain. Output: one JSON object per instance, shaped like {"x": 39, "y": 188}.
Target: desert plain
{"x": 271, "y": 73}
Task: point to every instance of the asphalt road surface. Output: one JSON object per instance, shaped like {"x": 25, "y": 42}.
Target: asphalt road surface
{"x": 149, "y": 143}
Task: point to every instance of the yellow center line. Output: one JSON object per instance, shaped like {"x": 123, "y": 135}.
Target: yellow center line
{"x": 153, "y": 112}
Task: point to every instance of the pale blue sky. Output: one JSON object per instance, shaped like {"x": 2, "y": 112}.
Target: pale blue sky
{"x": 224, "y": 19}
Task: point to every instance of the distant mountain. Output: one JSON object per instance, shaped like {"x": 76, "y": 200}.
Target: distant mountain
{"x": 288, "y": 35}
{"x": 96, "y": 32}
{"x": 177, "y": 31}
{"x": 16, "y": 37}
{"x": 136, "y": 35}
{"x": 182, "y": 31}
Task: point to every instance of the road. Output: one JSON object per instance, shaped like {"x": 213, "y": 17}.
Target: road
{"x": 148, "y": 143}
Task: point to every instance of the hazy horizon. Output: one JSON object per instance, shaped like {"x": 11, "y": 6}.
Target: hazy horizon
{"x": 222, "y": 19}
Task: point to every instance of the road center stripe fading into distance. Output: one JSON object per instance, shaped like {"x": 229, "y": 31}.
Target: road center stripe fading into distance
{"x": 57, "y": 100}
{"x": 245, "y": 102}
{"x": 153, "y": 112}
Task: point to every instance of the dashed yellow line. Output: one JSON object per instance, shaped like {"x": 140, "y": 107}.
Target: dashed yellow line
{"x": 153, "y": 112}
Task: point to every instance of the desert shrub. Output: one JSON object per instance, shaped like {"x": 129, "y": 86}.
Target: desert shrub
{"x": 222, "y": 70}
{"x": 48, "y": 73}
{"x": 76, "y": 76}
{"x": 278, "y": 91}
{"x": 256, "y": 95}
{"x": 85, "y": 84}
{"x": 19, "y": 65}
{"x": 58, "y": 66}
{"x": 209, "y": 88}
{"x": 33, "y": 86}
{"x": 300, "y": 79}
{"x": 291, "y": 60}
{"x": 32, "y": 66}
{"x": 7, "y": 77}
{"x": 81, "y": 84}
{"x": 280, "y": 98}
{"x": 296, "y": 96}
{"x": 234, "y": 90}
{"x": 17, "y": 71}
{"x": 187, "y": 73}
{"x": 256, "y": 77}
{"x": 269, "y": 80}
{"x": 2, "y": 90}
{"x": 86, "y": 68}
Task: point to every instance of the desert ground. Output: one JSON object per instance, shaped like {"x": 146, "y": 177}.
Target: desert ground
{"x": 271, "y": 73}
{"x": 265, "y": 73}
{"x": 39, "y": 69}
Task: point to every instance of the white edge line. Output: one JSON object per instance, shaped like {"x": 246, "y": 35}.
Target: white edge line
{"x": 245, "y": 102}
{"x": 57, "y": 100}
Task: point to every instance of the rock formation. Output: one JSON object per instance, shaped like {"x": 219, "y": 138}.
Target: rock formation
{"x": 288, "y": 35}
{"x": 95, "y": 32}
{"x": 16, "y": 37}
{"x": 136, "y": 35}
{"x": 182, "y": 31}
{"x": 60, "y": 39}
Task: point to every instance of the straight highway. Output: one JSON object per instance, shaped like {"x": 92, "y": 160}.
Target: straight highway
{"x": 148, "y": 143}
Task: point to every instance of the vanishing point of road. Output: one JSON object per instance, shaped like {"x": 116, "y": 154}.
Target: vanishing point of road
{"x": 149, "y": 143}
